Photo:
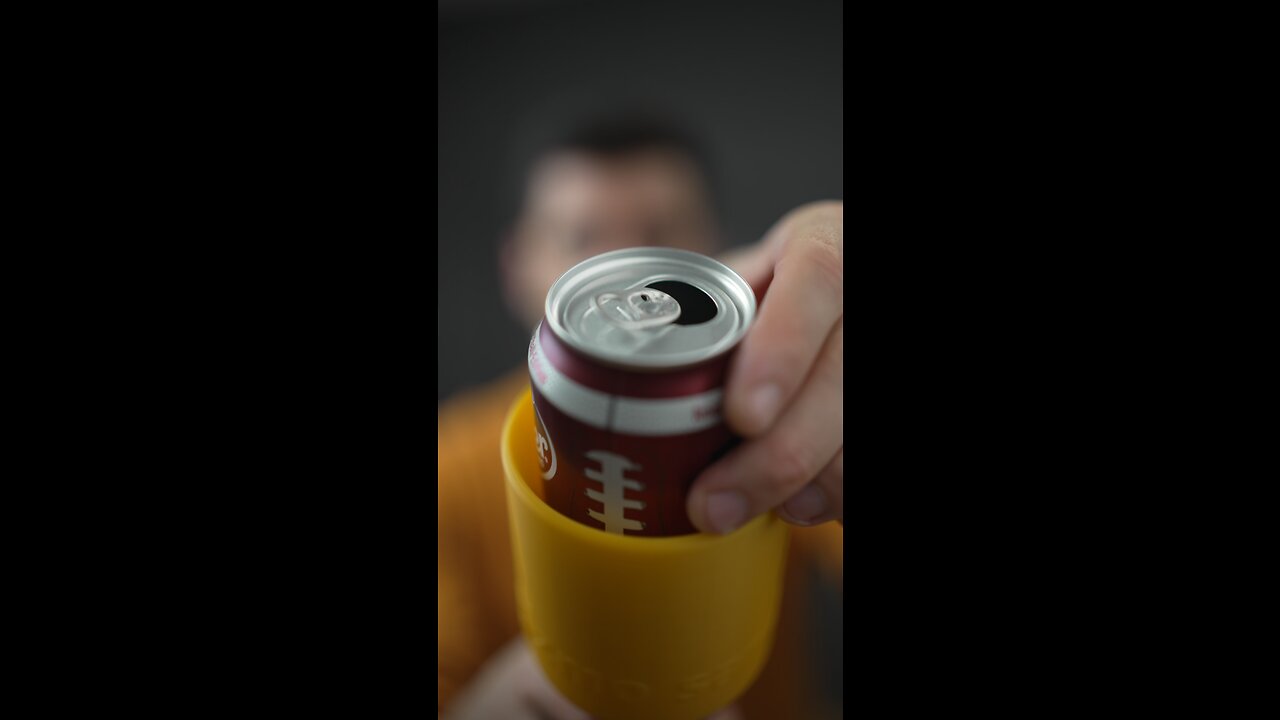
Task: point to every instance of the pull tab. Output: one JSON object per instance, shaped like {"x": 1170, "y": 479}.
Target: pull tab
{"x": 638, "y": 309}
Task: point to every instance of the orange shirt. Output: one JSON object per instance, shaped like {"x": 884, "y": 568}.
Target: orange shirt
{"x": 474, "y": 575}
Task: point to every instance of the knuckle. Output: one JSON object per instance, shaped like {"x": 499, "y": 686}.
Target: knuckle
{"x": 832, "y": 478}
{"x": 777, "y": 348}
{"x": 828, "y": 235}
{"x": 822, "y": 222}
{"x": 828, "y": 264}
{"x": 790, "y": 466}
{"x": 818, "y": 263}
{"x": 788, "y": 357}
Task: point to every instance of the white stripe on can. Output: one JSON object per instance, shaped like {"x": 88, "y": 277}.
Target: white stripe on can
{"x": 631, "y": 416}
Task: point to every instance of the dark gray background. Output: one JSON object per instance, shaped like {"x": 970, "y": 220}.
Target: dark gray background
{"x": 761, "y": 84}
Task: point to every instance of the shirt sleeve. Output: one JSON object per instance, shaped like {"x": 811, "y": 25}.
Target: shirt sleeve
{"x": 474, "y": 577}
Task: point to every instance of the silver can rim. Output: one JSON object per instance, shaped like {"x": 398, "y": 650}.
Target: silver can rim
{"x": 731, "y": 282}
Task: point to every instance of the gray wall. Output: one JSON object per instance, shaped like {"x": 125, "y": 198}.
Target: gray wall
{"x": 761, "y": 84}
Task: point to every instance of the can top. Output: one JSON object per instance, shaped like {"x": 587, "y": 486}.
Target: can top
{"x": 650, "y": 308}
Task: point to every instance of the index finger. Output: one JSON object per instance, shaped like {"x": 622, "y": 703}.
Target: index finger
{"x": 804, "y": 301}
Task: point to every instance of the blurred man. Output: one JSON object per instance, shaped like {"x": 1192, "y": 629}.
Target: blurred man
{"x": 609, "y": 185}
{"x": 620, "y": 183}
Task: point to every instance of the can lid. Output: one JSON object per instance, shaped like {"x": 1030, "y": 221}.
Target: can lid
{"x": 650, "y": 308}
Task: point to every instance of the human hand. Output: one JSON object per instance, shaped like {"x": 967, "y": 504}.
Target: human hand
{"x": 512, "y": 686}
{"x": 785, "y": 390}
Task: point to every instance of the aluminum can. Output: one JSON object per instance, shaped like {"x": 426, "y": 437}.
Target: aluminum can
{"x": 628, "y": 370}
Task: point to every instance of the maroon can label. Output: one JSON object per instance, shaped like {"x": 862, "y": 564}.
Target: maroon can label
{"x": 627, "y": 400}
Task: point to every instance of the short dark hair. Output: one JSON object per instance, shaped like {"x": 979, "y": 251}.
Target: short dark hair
{"x": 607, "y": 133}
{"x": 624, "y": 133}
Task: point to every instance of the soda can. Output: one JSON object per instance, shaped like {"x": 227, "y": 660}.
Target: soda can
{"x": 628, "y": 370}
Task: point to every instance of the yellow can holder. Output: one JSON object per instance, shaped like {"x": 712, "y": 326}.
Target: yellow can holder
{"x": 632, "y": 628}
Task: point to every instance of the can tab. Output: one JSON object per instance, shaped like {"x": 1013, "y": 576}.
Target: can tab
{"x": 638, "y": 309}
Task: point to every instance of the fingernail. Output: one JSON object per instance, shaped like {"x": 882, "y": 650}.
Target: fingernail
{"x": 726, "y": 511}
{"x": 808, "y": 505}
{"x": 764, "y": 403}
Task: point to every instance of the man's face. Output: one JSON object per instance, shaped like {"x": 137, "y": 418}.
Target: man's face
{"x": 581, "y": 205}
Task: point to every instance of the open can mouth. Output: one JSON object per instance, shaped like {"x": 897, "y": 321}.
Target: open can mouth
{"x": 650, "y": 308}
